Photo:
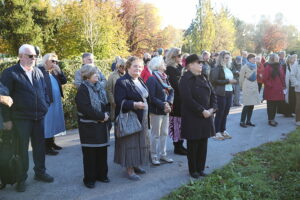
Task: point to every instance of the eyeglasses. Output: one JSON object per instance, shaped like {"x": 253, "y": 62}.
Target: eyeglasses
{"x": 227, "y": 58}
{"x": 179, "y": 56}
{"x": 54, "y": 61}
{"x": 31, "y": 56}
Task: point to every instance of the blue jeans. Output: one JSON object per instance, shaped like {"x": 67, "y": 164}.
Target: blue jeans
{"x": 224, "y": 104}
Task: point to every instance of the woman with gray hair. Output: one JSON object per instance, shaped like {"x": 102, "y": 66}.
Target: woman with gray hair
{"x": 161, "y": 97}
{"x": 222, "y": 79}
{"x": 174, "y": 71}
{"x": 93, "y": 116}
{"x": 54, "y": 119}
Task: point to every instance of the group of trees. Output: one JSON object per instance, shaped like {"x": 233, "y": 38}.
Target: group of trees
{"x": 69, "y": 27}
{"x": 216, "y": 30}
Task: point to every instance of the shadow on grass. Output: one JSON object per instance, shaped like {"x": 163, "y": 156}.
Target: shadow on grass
{"x": 271, "y": 171}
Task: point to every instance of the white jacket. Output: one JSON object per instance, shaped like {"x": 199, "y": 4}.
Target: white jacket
{"x": 295, "y": 77}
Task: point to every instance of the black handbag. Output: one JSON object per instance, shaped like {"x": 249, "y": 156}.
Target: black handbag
{"x": 10, "y": 162}
{"x": 127, "y": 123}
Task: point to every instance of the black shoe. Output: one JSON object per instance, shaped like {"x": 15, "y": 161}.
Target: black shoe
{"x": 250, "y": 124}
{"x": 179, "y": 149}
{"x": 104, "y": 180}
{"x": 44, "y": 178}
{"x": 202, "y": 174}
{"x": 56, "y": 147}
{"x": 51, "y": 152}
{"x": 21, "y": 187}
{"x": 242, "y": 124}
{"x": 2, "y": 186}
{"x": 89, "y": 185}
{"x": 139, "y": 170}
{"x": 195, "y": 175}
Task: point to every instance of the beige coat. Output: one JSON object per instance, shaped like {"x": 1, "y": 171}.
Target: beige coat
{"x": 249, "y": 88}
{"x": 110, "y": 89}
{"x": 295, "y": 77}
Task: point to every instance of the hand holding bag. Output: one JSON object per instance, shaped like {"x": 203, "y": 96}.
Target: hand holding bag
{"x": 127, "y": 123}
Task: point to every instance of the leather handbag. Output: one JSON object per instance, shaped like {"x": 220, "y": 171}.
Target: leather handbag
{"x": 127, "y": 123}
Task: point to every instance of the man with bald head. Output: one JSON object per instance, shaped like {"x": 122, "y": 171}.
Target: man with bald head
{"x": 25, "y": 118}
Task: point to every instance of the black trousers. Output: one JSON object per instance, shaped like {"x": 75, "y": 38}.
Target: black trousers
{"x": 34, "y": 129}
{"x": 94, "y": 163}
{"x": 197, "y": 150}
{"x": 247, "y": 113}
{"x": 259, "y": 87}
{"x": 272, "y": 107}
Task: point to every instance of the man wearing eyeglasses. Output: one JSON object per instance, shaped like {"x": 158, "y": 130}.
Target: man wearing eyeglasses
{"x": 25, "y": 118}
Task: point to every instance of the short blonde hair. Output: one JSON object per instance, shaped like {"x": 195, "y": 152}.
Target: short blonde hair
{"x": 155, "y": 63}
{"x": 171, "y": 56}
{"x": 47, "y": 57}
{"x": 87, "y": 71}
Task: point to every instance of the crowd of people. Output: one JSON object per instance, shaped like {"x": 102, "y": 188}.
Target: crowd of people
{"x": 186, "y": 97}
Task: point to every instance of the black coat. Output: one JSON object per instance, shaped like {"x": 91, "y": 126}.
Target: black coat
{"x": 218, "y": 80}
{"x": 90, "y": 132}
{"x": 30, "y": 101}
{"x": 125, "y": 89}
{"x": 158, "y": 96}
{"x": 174, "y": 74}
{"x": 197, "y": 95}
{"x": 60, "y": 78}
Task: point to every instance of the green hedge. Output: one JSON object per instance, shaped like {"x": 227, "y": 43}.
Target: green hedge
{"x": 69, "y": 67}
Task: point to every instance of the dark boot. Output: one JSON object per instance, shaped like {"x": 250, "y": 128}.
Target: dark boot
{"x": 178, "y": 148}
{"x": 48, "y": 147}
{"x": 55, "y": 146}
{"x": 182, "y": 147}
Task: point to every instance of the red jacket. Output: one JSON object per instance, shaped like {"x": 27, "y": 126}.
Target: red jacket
{"x": 145, "y": 74}
{"x": 260, "y": 72}
{"x": 273, "y": 87}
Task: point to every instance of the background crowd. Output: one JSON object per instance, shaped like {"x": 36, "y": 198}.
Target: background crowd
{"x": 186, "y": 97}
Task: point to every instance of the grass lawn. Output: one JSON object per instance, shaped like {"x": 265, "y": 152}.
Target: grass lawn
{"x": 271, "y": 171}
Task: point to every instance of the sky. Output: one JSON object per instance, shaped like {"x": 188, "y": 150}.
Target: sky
{"x": 179, "y": 13}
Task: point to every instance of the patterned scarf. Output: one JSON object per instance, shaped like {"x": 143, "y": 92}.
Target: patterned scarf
{"x": 162, "y": 78}
{"x": 97, "y": 94}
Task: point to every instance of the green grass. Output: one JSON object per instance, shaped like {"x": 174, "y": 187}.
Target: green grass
{"x": 271, "y": 171}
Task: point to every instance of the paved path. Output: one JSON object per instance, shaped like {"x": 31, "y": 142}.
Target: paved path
{"x": 159, "y": 181}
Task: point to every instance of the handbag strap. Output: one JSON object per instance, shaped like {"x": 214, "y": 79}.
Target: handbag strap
{"x": 121, "y": 111}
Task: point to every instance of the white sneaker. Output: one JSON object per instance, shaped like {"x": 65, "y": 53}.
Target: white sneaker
{"x": 166, "y": 159}
{"x": 298, "y": 123}
{"x": 218, "y": 136}
{"x": 155, "y": 161}
{"x": 226, "y": 135}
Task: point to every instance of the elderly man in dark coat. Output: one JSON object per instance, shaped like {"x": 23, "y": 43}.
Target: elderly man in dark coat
{"x": 198, "y": 105}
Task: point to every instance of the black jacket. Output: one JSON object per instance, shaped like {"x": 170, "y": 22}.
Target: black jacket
{"x": 91, "y": 131}
{"x": 217, "y": 78}
{"x": 60, "y": 78}
{"x": 174, "y": 74}
{"x": 125, "y": 89}
{"x": 197, "y": 95}
{"x": 158, "y": 96}
{"x": 30, "y": 101}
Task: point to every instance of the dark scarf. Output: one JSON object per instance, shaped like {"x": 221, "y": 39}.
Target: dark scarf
{"x": 97, "y": 95}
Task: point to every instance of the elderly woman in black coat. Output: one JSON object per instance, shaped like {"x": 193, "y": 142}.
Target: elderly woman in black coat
{"x": 92, "y": 106}
{"x": 198, "y": 105}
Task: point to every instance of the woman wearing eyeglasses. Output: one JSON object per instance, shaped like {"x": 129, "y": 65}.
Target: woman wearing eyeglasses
{"x": 174, "y": 71}
{"x": 222, "y": 79}
{"x": 54, "y": 119}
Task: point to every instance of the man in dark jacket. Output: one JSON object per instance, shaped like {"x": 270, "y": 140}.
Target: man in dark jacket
{"x": 27, "y": 88}
{"x": 236, "y": 68}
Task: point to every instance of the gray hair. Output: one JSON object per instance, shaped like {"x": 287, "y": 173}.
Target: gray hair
{"x": 87, "y": 71}
{"x": 86, "y": 55}
{"x": 24, "y": 47}
{"x": 120, "y": 62}
{"x": 221, "y": 61}
{"x": 171, "y": 56}
{"x": 47, "y": 57}
{"x": 204, "y": 53}
{"x": 272, "y": 58}
{"x": 156, "y": 62}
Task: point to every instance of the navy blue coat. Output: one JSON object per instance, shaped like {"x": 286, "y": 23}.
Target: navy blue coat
{"x": 30, "y": 101}
{"x": 60, "y": 78}
{"x": 197, "y": 95}
{"x": 158, "y": 96}
{"x": 3, "y": 91}
{"x": 125, "y": 89}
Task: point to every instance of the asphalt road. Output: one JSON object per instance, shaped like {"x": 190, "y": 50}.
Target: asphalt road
{"x": 158, "y": 181}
